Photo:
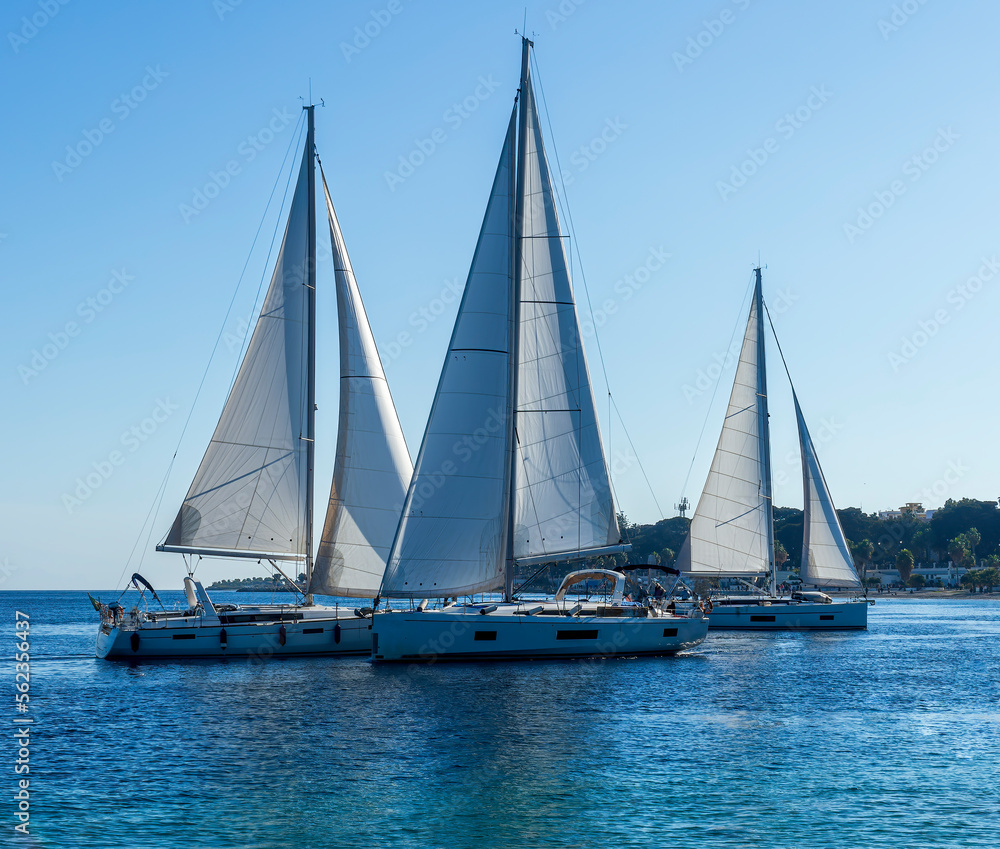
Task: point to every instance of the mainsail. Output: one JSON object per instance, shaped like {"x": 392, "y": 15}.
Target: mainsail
{"x": 511, "y": 467}
{"x": 826, "y": 556}
{"x": 731, "y": 527}
{"x": 249, "y": 495}
{"x": 372, "y": 468}
{"x": 450, "y": 539}
{"x": 562, "y": 501}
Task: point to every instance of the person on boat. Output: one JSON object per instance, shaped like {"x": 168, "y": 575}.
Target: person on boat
{"x": 671, "y": 607}
{"x": 658, "y": 591}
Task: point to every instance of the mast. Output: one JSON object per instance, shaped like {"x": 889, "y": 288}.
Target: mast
{"x": 515, "y": 313}
{"x": 310, "y": 435}
{"x": 763, "y": 432}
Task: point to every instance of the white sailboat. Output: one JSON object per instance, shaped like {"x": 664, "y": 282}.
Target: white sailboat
{"x": 252, "y": 496}
{"x": 732, "y": 529}
{"x": 511, "y": 472}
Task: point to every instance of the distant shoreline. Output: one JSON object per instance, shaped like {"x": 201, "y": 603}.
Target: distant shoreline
{"x": 923, "y": 593}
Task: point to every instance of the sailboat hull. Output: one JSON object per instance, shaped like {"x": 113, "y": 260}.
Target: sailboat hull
{"x": 783, "y": 615}
{"x": 199, "y": 636}
{"x": 474, "y": 632}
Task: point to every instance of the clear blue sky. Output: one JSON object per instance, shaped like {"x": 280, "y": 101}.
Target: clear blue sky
{"x": 656, "y": 109}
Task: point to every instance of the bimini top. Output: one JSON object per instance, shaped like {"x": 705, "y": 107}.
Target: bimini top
{"x": 592, "y": 575}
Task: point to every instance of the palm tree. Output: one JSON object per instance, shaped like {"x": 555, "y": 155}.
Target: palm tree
{"x": 863, "y": 552}
{"x": 974, "y": 538}
{"x": 904, "y": 563}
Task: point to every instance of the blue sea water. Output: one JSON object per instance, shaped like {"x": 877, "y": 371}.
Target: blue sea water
{"x": 888, "y": 737}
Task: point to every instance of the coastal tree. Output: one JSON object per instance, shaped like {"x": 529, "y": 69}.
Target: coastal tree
{"x": 958, "y": 550}
{"x": 667, "y": 557}
{"x": 904, "y": 563}
{"x": 989, "y": 578}
{"x": 918, "y": 582}
{"x": 780, "y": 554}
{"x": 974, "y": 538}
{"x": 862, "y": 552}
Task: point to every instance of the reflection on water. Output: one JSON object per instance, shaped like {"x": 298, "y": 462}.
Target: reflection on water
{"x": 883, "y": 738}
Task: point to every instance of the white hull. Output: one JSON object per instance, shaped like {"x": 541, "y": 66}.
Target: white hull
{"x": 464, "y": 633}
{"x": 249, "y": 632}
{"x": 787, "y": 615}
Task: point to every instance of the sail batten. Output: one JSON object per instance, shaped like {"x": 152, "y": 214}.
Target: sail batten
{"x": 372, "y": 468}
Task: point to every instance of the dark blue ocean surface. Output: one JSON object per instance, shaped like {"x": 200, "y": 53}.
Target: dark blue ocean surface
{"x": 884, "y": 738}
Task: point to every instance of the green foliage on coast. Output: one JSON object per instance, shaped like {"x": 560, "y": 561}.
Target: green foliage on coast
{"x": 966, "y": 531}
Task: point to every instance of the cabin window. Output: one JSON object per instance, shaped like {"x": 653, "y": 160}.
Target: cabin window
{"x": 576, "y": 635}
{"x": 669, "y": 632}
{"x": 312, "y": 630}
{"x": 183, "y": 636}
{"x": 825, "y": 618}
{"x": 761, "y": 618}
{"x": 486, "y": 635}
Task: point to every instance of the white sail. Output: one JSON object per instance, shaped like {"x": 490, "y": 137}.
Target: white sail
{"x": 451, "y": 536}
{"x": 826, "y": 556}
{"x": 372, "y": 468}
{"x": 563, "y": 502}
{"x": 248, "y": 496}
{"x": 730, "y": 527}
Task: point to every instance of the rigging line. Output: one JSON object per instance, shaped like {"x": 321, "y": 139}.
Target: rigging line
{"x": 781, "y": 353}
{"x": 569, "y": 218}
{"x": 641, "y": 467}
{"x": 715, "y": 391}
{"x": 157, "y": 499}
{"x": 292, "y": 145}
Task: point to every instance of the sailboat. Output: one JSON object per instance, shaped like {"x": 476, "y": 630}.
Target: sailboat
{"x": 252, "y": 496}
{"x": 511, "y": 473}
{"x": 732, "y": 529}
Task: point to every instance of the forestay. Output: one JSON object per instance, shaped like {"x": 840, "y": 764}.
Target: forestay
{"x": 372, "y": 468}
{"x": 249, "y": 493}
